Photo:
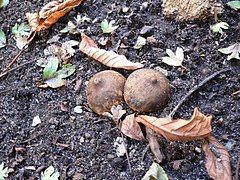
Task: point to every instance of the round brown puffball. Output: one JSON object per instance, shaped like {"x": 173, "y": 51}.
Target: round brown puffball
{"x": 146, "y": 90}
{"x": 104, "y": 90}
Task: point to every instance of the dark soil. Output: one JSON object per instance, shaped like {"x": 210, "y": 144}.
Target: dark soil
{"x": 82, "y": 144}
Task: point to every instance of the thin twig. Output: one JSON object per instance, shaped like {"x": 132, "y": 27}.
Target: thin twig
{"x": 30, "y": 38}
{"x": 196, "y": 87}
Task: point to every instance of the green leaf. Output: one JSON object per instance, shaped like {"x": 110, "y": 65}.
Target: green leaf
{"x": 56, "y": 82}
{"x": 233, "y": 50}
{"x": 50, "y": 174}
{"x": 108, "y": 27}
{"x": 2, "y": 39}
{"x": 155, "y": 172}
{"x": 67, "y": 70}
{"x": 234, "y": 4}
{"x": 4, "y": 3}
{"x": 21, "y": 30}
{"x": 3, "y": 172}
{"x": 51, "y": 68}
{"x": 219, "y": 26}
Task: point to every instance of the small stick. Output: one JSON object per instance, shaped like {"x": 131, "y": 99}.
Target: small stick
{"x": 30, "y": 38}
{"x": 196, "y": 87}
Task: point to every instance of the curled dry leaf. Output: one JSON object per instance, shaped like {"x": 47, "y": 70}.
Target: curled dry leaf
{"x": 50, "y": 14}
{"x": 198, "y": 127}
{"x": 61, "y": 53}
{"x": 131, "y": 128}
{"x": 108, "y": 58}
{"x": 154, "y": 144}
{"x": 117, "y": 113}
{"x": 217, "y": 159}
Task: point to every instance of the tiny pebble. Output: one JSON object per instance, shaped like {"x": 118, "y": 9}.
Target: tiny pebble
{"x": 125, "y": 9}
{"x": 78, "y": 109}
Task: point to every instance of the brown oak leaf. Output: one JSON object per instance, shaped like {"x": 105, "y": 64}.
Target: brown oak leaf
{"x": 50, "y": 14}
{"x": 217, "y": 159}
{"x": 198, "y": 127}
{"x": 154, "y": 144}
{"x": 108, "y": 58}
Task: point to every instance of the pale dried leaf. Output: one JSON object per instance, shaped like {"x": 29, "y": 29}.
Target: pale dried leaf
{"x": 174, "y": 60}
{"x": 68, "y": 46}
{"x": 233, "y": 50}
{"x": 33, "y": 20}
{"x": 141, "y": 41}
{"x": 56, "y": 82}
{"x": 117, "y": 113}
{"x": 198, "y": 127}
{"x": 131, "y": 128}
{"x": 108, "y": 58}
{"x": 61, "y": 53}
{"x": 217, "y": 159}
{"x": 154, "y": 144}
{"x": 119, "y": 144}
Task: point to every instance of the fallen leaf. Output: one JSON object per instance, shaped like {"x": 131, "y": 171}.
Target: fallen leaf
{"x": 66, "y": 71}
{"x": 21, "y": 33}
{"x": 219, "y": 26}
{"x": 68, "y": 45}
{"x": 131, "y": 128}
{"x": 154, "y": 144}
{"x": 55, "y": 83}
{"x": 50, "y": 174}
{"x": 234, "y": 4}
{"x": 107, "y": 27}
{"x": 4, "y": 3}
{"x": 217, "y": 159}
{"x": 108, "y": 58}
{"x": 2, "y": 39}
{"x": 51, "y": 68}
{"x": 233, "y": 50}
{"x": 141, "y": 41}
{"x": 116, "y": 113}
{"x": 36, "y": 121}
{"x": 198, "y": 127}
{"x": 155, "y": 172}
{"x": 119, "y": 144}
{"x": 50, "y": 14}
{"x": 61, "y": 53}
{"x": 174, "y": 60}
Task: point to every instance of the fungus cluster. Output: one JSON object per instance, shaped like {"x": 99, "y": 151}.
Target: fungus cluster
{"x": 145, "y": 90}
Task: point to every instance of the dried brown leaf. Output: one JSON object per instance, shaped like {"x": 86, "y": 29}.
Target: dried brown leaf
{"x": 33, "y": 20}
{"x": 50, "y": 13}
{"x": 217, "y": 159}
{"x": 154, "y": 144}
{"x": 198, "y": 127}
{"x": 61, "y": 53}
{"x": 131, "y": 128}
{"x": 108, "y": 58}
{"x": 116, "y": 113}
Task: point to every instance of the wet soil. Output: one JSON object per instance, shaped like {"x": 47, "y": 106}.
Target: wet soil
{"x": 82, "y": 145}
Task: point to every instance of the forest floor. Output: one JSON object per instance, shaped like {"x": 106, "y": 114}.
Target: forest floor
{"x": 82, "y": 144}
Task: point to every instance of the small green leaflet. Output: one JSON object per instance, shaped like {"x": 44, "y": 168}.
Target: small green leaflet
{"x": 4, "y": 3}
{"x": 108, "y": 27}
{"x": 234, "y": 4}
{"x": 2, "y": 39}
{"x": 3, "y": 171}
{"x": 219, "y": 26}
{"x": 50, "y": 174}
{"x": 20, "y": 30}
{"x": 155, "y": 172}
{"x": 67, "y": 70}
{"x": 233, "y": 50}
{"x": 51, "y": 68}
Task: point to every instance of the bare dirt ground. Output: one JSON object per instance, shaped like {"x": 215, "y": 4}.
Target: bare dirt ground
{"x": 83, "y": 144}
